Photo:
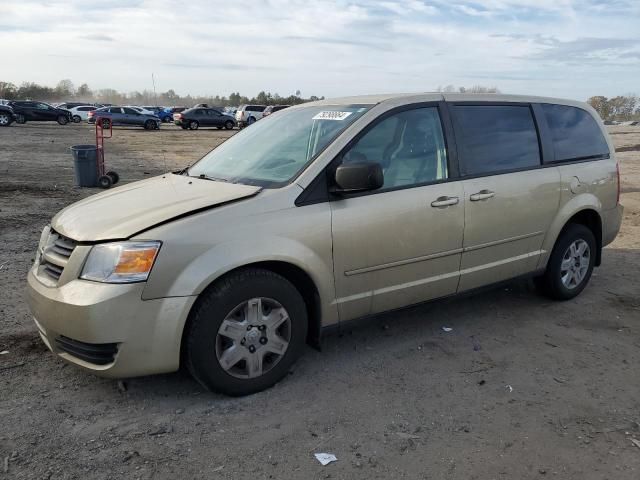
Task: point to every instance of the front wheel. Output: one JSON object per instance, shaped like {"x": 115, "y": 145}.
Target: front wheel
{"x": 193, "y": 125}
{"x": 570, "y": 265}
{"x": 245, "y": 332}
{"x": 5, "y": 119}
{"x": 149, "y": 125}
{"x": 62, "y": 120}
{"x": 77, "y": 119}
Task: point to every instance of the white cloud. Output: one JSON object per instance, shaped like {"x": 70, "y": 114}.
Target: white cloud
{"x": 327, "y": 47}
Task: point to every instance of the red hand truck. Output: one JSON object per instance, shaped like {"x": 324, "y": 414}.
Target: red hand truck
{"x": 105, "y": 178}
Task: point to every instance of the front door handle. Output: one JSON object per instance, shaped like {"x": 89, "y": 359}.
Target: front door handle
{"x": 444, "y": 202}
{"x": 482, "y": 195}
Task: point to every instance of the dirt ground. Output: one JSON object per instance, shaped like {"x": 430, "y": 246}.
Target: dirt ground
{"x": 521, "y": 388}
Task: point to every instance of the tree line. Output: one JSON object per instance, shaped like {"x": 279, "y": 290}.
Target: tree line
{"x": 621, "y": 108}
{"x": 66, "y": 91}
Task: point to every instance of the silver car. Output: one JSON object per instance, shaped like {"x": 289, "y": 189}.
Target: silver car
{"x": 324, "y": 213}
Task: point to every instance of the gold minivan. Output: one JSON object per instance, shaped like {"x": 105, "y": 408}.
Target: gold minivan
{"x": 326, "y": 212}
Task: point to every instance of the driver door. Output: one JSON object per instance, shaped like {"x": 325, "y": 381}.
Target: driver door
{"x": 401, "y": 244}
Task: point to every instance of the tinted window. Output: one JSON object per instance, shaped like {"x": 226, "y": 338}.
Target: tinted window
{"x": 201, "y": 112}
{"x": 575, "y": 133}
{"x": 130, "y": 111}
{"x": 494, "y": 138}
{"x": 409, "y": 145}
{"x": 115, "y": 110}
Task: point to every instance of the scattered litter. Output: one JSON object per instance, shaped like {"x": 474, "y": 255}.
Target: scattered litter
{"x": 179, "y": 411}
{"x": 447, "y": 329}
{"x": 6, "y": 464}
{"x": 326, "y": 458}
{"x": 4, "y": 352}
{"x": 559, "y": 380}
{"x": 482, "y": 382}
{"x": 407, "y": 436}
{"x": 509, "y": 387}
{"x": 9, "y": 367}
{"x": 217, "y": 469}
{"x": 635, "y": 442}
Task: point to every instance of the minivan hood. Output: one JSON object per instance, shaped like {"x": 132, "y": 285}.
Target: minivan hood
{"x": 127, "y": 210}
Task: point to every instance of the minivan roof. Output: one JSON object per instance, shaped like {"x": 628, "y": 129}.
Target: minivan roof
{"x": 450, "y": 97}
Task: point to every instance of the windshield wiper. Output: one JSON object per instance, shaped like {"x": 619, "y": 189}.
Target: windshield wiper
{"x": 208, "y": 177}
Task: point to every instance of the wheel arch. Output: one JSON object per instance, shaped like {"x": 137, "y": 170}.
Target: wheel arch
{"x": 587, "y": 215}
{"x": 298, "y": 277}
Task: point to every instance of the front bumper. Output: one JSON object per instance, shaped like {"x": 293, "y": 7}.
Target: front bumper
{"x": 147, "y": 333}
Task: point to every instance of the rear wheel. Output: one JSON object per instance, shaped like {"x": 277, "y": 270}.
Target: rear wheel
{"x": 245, "y": 332}
{"x": 77, "y": 119}
{"x": 193, "y": 125}
{"x": 62, "y": 120}
{"x": 228, "y": 125}
{"x": 105, "y": 181}
{"x": 570, "y": 265}
{"x": 5, "y": 119}
{"x": 149, "y": 125}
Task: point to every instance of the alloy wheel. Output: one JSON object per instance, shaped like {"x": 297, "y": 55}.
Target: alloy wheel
{"x": 575, "y": 264}
{"x": 253, "y": 338}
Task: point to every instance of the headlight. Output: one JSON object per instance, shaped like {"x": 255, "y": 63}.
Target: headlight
{"x": 120, "y": 262}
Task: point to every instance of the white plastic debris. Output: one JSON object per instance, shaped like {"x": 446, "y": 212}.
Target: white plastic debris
{"x": 447, "y": 329}
{"x": 509, "y": 387}
{"x": 326, "y": 458}
{"x": 4, "y": 352}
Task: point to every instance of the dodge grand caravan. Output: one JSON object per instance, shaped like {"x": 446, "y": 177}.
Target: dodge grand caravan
{"x": 324, "y": 213}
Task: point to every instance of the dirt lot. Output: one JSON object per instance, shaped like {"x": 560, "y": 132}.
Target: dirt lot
{"x": 521, "y": 388}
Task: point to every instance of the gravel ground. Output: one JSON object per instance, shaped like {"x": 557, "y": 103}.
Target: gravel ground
{"x": 522, "y": 387}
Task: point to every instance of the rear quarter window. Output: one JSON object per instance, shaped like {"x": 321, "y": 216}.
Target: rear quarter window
{"x": 575, "y": 133}
{"x": 495, "y": 138}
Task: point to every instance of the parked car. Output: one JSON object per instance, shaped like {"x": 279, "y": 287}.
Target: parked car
{"x": 177, "y": 109}
{"x": 272, "y": 109}
{"x": 195, "y": 118}
{"x": 27, "y": 110}
{"x": 126, "y": 116}
{"x": 249, "y": 114}
{"x": 141, "y": 109}
{"x": 165, "y": 114}
{"x": 327, "y": 212}
{"x": 81, "y": 112}
{"x": 70, "y": 105}
{"x": 7, "y": 116}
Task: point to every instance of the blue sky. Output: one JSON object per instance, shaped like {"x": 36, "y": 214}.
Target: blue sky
{"x": 566, "y": 48}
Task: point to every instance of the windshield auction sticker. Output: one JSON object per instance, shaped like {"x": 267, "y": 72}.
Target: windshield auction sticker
{"x": 332, "y": 115}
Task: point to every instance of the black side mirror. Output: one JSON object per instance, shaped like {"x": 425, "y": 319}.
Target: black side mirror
{"x": 358, "y": 177}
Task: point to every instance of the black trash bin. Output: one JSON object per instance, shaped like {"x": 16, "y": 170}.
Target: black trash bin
{"x": 85, "y": 165}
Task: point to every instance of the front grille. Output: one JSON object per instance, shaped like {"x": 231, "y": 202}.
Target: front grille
{"x": 55, "y": 255}
{"x": 96, "y": 353}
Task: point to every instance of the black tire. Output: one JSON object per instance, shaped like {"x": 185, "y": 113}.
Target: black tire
{"x": 228, "y": 125}
{"x": 193, "y": 125}
{"x": 149, "y": 125}
{"x": 114, "y": 176}
{"x": 76, "y": 119}
{"x": 63, "y": 120}
{"x": 550, "y": 283}
{"x": 21, "y": 119}
{"x": 210, "y": 311}
{"x": 251, "y": 120}
{"x": 105, "y": 181}
{"x": 5, "y": 119}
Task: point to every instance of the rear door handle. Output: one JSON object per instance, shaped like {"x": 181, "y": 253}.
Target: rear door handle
{"x": 482, "y": 195}
{"x": 444, "y": 202}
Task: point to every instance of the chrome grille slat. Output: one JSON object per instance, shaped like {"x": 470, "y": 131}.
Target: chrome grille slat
{"x": 55, "y": 254}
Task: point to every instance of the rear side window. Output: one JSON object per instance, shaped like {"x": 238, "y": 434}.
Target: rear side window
{"x": 495, "y": 138}
{"x": 575, "y": 133}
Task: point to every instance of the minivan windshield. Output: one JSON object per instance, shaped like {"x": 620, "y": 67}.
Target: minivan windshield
{"x": 275, "y": 149}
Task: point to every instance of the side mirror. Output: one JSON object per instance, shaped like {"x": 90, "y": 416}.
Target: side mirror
{"x": 358, "y": 177}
